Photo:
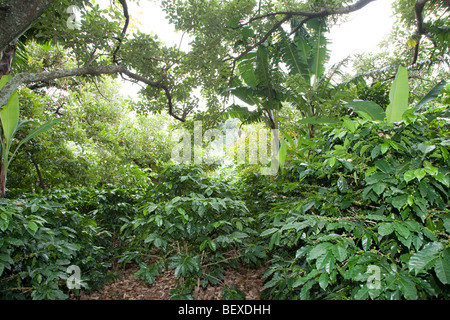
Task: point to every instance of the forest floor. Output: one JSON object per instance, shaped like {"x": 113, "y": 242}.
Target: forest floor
{"x": 128, "y": 287}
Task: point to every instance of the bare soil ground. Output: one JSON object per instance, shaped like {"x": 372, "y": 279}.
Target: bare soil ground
{"x": 128, "y": 287}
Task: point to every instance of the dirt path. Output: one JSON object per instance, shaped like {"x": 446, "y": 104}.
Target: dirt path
{"x": 127, "y": 287}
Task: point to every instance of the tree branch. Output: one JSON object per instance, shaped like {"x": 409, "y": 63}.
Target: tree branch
{"x": 20, "y": 16}
{"x": 124, "y": 30}
{"x": 308, "y": 16}
{"x": 418, "y": 9}
{"x": 23, "y": 78}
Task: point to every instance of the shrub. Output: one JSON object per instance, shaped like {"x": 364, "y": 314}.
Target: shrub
{"x": 191, "y": 225}
{"x": 373, "y": 221}
{"x": 40, "y": 240}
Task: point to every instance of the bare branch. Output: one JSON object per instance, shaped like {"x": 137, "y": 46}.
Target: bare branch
{"x": 418, "y": 9}
{"x": 124, "y": 30}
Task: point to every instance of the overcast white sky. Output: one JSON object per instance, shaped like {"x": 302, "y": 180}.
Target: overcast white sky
{"x": 362, "y": 32}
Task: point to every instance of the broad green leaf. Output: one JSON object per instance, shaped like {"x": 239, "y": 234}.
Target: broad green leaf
{"x": 319, "y": 250}
{"x": 425, "y": 148}
{"x": 319, "y": 54}
{"x": 383, "y": 166}
{"x": 424, "y": 259}
{"x": 342, "y": 184}
{"x": 323, "y": 281}
{"x": 10, "y": 117}
{"x": 402, "y": 230}
{"x": 282, "y": 153}
{"x": 293, "y": 57}
{"x": 332, "y": 161}
{"x": 246, "y": 69}
{"x": 385, "y": 146}
{"x": 362, "y": 294}
{"x": 375, "y": 151}
{"x": 398, "y": 96}
{"x": 420, "y": 173}
{"x": 386, "y": 229}
{"x": 407, "y": 287}
{"x": 306, "y": 288}
{"x": 340, "y": 252}
{"x": 442, "y": 266}
{"x": 268, "y": 232}
{"x": 399, "y": 201}
{"x": 379, "y": 188}
{"x": 372, "y": 109}
{"x": 212, "y": 245}
{"x": 46, "y": 126}
{"x": 446, "y": 222}
{"x": 262, "y": 71}
{"x": 274, "y": 240}
{"x": 376, "y": 177}
{"x": 431, "y": 95}
{"x": 409, "y": 175}
{"x": 445, "y": 180}
{"x": 32, "y": 226}
{"x": 247, "y": 95}
{"x": 326, "y": 262}
{"x": 350, "y": 125}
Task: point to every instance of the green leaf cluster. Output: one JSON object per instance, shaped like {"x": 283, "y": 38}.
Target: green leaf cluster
{"x": 364, "y": 216}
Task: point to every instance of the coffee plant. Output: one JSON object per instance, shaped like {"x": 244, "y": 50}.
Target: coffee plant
{"x": 373, "y": 220}
{"x": 193, "y": 226}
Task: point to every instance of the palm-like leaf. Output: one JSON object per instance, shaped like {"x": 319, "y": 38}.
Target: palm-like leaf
{"x": 295, "y": 57}
{"x": 319, "y": 52}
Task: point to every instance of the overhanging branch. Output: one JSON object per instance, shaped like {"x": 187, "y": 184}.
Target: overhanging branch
{"x": 418, "y": 9}
{"x": 307, "y": 15}
{"x": 23, "y": 78}
{"x": 124, "y": 30}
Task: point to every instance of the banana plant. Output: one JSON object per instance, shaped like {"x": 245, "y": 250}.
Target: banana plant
{"x": 257, "y": 87}
{"x": 307, "y": 82}
{"x": 9, "y": 116}
{"x": 261, "y": 83}
{"x": 398, "y": 97}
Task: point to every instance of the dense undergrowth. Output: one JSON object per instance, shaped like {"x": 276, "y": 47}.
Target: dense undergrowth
{"x": 360, "y": 212}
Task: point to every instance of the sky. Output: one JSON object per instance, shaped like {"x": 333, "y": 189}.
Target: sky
{"x": 362, "y": 32}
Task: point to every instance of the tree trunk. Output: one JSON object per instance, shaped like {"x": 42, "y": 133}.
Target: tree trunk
{"x": 17, "y": 16}
{"x": 2, "y": 181}
{"x": 38, "y": 171}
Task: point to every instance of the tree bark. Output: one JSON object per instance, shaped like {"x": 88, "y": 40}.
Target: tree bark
{"x": 39, "y": 174}
{"x": 2, "y": 180}
{"x": 17, "y": 16}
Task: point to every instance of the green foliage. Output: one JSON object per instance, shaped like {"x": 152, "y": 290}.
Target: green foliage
{"x": 99, "y": 139}
{"x": 191, "y": 225}
{"x": 43, "y": 234}
{"x": 358, "y": 211}
{"x": 372, "y": 221}
{"x": 40, "y": 240}
{"x": 9, "y": 116}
